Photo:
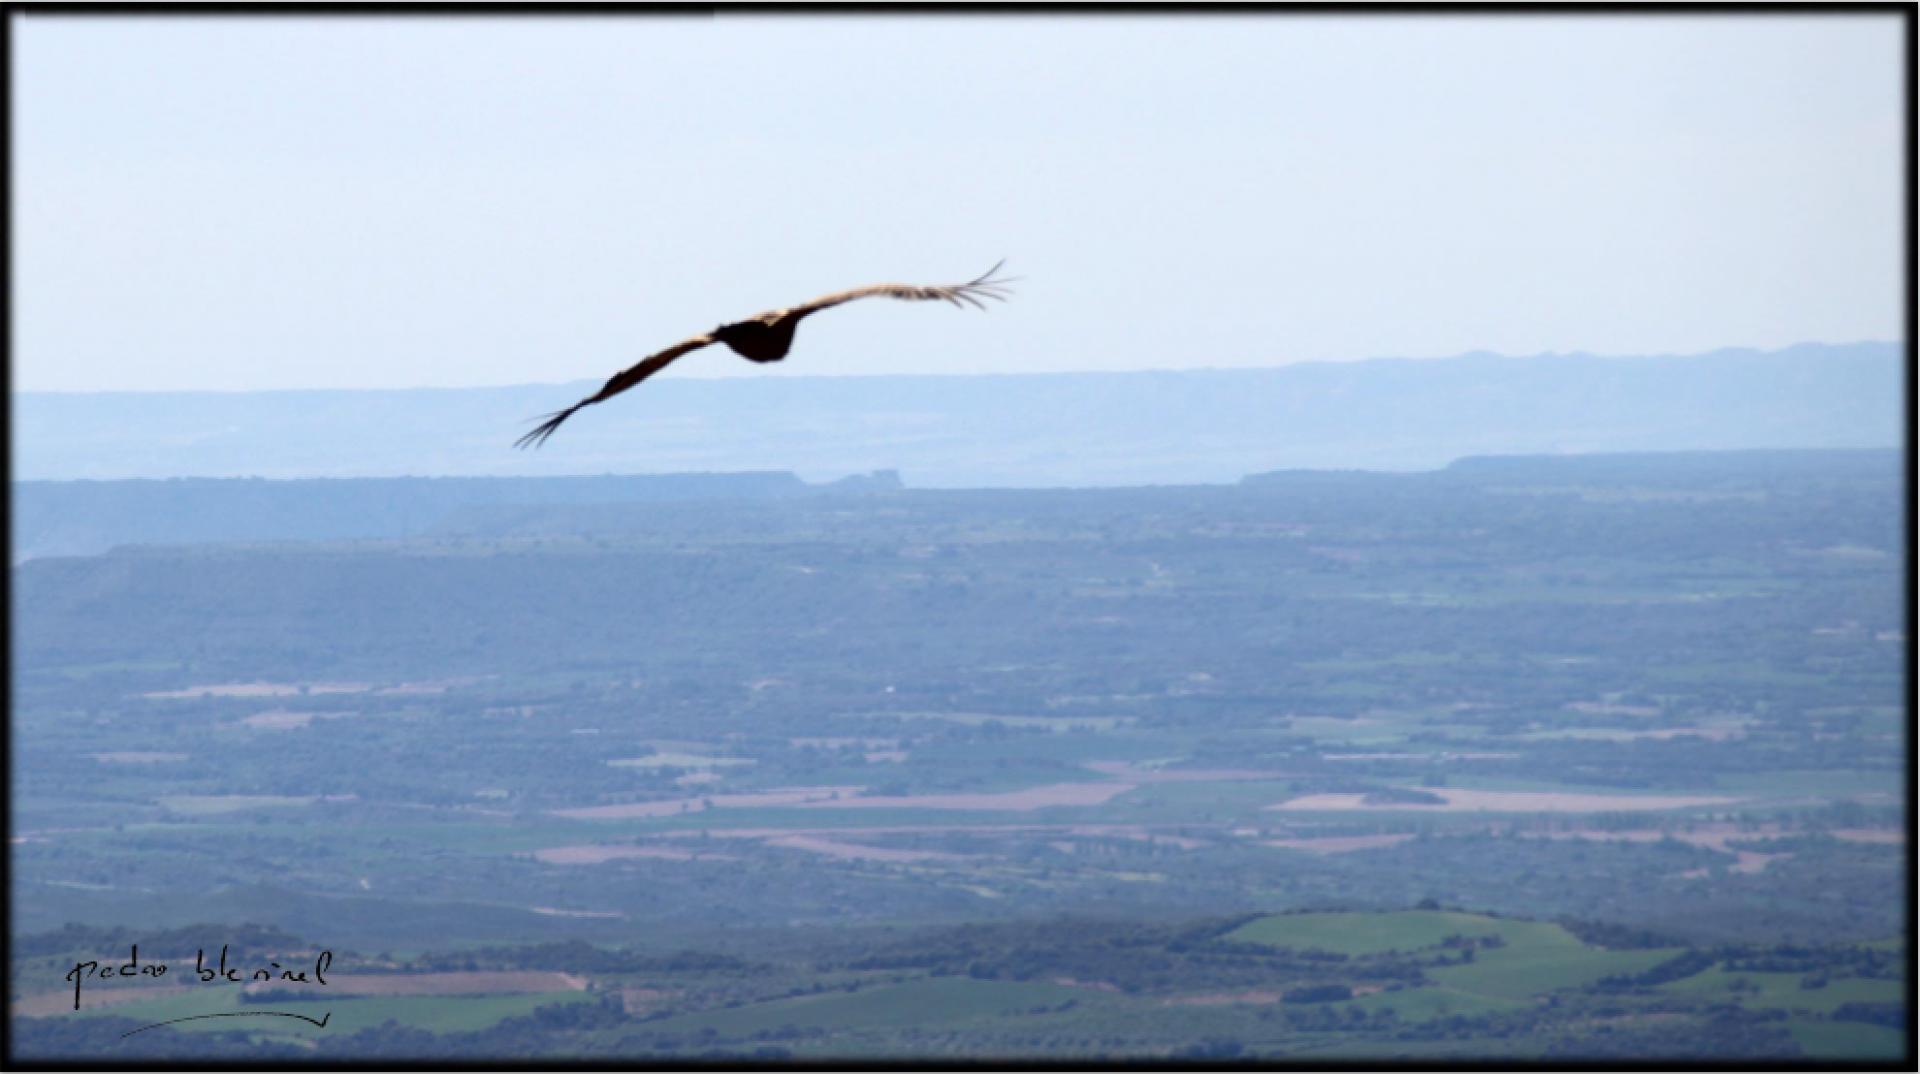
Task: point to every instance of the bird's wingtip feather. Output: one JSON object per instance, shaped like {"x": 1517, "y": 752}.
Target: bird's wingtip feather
{"x": 538, "y": 435}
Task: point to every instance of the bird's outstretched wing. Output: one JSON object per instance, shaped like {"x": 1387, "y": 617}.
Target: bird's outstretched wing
{"x": 985, "y": 285}
{"x": 620, "y": 382}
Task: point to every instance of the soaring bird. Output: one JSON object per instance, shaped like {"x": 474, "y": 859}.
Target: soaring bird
{"x": 767, "y": 336}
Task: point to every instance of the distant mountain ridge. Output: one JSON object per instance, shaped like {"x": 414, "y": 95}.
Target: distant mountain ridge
{"x": 1026, "y": 430}
{"x": 78, "y": 518}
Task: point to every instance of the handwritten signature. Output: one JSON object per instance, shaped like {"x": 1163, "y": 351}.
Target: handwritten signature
{"x": 217, "y": 973}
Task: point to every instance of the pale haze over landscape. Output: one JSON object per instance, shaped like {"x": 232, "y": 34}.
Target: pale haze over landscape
{"x": 273, "y": 203}
{"x": 1416, "y": 573}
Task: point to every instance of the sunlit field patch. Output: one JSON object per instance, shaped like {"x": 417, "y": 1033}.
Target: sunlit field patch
{"x": 200, "y": 805}
{"x": 262, "y": 689}
{"x": 1476, "y": 801}
{"x": 678, "y": 760}
{"x": 596, "y": 855}
{"x": 834, "y": 848}
{"x": 1058, "y": 794}
{"x": 1051, "y": 723}
{"x": 671, "y": 807}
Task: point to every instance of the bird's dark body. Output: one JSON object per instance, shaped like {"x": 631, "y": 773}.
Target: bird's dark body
{"x": 758, "y": 341}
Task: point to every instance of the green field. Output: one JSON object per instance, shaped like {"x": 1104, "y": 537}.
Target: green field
{"x": 1352, "y": 933}
{"x": 1540, "y": 958}
{"x": 1783, "y": 990}
{"x": 1424, "y": 1004}
{"x": 1535, "y": 957}
{"x": 936, "y": 1001}
{"x": 437, "y": 1014}
{"x": 1449, "y": 983}
{"x": 1848, "y": 1040}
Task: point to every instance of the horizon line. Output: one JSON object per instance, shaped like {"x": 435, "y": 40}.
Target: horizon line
{"x": 746, "y": 375}
{"x": 905, "y": 486}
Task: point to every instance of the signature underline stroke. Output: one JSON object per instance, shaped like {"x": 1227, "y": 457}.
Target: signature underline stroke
{"x": 321, "y": 1021}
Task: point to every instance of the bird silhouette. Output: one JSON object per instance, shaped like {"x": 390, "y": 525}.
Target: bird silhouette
{"x": 766, "y": 337}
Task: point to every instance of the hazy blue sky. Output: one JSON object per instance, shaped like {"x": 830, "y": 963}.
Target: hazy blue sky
{"x": 288, "y": 202}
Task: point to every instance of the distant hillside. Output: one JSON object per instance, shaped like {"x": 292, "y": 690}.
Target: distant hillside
{"x": 68, "y": 518}
{"x": 999, "y": 431}
{"x": 85, "y": 517}
{"x": 953, "y": 580}
{"x": 1696, "y": 470}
